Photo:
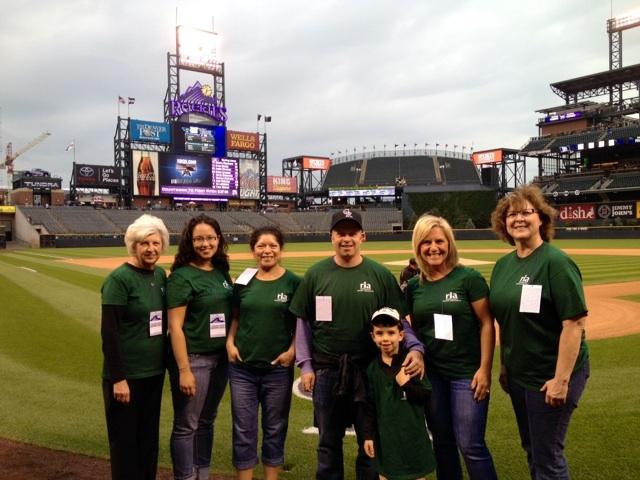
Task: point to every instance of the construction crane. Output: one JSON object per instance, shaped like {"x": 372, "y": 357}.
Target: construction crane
{"x": 11, "y": 157}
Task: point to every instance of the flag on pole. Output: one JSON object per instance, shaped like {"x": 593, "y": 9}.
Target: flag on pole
{"x": 71, "y": 146}
{"x": 259, "y": 117}
{"x": 267, "y": 118}
{"x": 132, "y": 100}
{"x": 121, "y": 100}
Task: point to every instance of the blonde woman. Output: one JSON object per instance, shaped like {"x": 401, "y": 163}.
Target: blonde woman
{"x": 449, "y": 306}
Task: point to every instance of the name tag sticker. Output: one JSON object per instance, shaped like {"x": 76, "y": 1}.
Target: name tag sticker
{"x": 155, "y": 323}
{"x": 246, "y": 276}
{"x": 530, "y": 298}
{"x": 217, "y": 327}
{"x": 323, "y": 309}
{"x": 444, "y": 326}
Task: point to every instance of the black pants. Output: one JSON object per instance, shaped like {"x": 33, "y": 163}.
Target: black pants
{"x": 133, "y": 429}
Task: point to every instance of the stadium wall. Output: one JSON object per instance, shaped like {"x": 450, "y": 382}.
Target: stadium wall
{"x": 462, "y": 209}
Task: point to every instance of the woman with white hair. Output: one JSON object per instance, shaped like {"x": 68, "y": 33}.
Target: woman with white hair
{"x": 134, "y": 326}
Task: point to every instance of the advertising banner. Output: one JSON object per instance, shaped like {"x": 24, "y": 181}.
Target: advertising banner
{"x": 489, "y": 156}
{"x": 617, "y": 210}
{"x": 363, "y": 192}
{"x": 249, "y": 179}
{"x": 281, "y": 184}
{"x": 316, "y": 163}
{"x": 39, "y": 184}
{"x": 193, "y": 138}
{"x": 577, "y": 212}
{"x": 197, "y": 176}
{"x": 96, "y": 176}
{"x": 243, "y": 141}
{"x": 144, "y": 167}
{"x": 155, "y": 132}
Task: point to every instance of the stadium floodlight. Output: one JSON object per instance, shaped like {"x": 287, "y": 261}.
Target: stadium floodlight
{"x": 198, "y": 49}
{"x": 623, "y": 22}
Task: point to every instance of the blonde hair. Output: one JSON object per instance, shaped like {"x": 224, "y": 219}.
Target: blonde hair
{"x": 518, "y": 199}
{"x": 421, "y": 231}
{"x": 141, "y": 228}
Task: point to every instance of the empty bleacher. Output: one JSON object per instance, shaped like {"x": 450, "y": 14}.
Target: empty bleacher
{"x": 343, "y": 175}
{"x": 536, "y": 144}
{"x": 575, "y": 183}
{"x": 623, "y": 132}
{"x": 44, "y": 217}
{"x": 457, "y": 170}
{"x": 576, "y": 139}
{"x": 625, "y": 180}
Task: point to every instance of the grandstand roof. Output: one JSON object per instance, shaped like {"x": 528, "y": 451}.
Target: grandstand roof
{"x": 594, "y": 81}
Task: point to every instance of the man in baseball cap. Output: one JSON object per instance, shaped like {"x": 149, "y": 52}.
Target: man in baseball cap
{"x": 345, "y": 216}
{"x": 334, "y": 303}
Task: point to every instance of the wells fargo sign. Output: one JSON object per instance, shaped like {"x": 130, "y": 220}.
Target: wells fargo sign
{"x": 243, "y": 141}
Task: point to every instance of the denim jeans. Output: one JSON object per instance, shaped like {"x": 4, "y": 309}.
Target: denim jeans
{"x": 251, "y": 389}
{"x": 458, "y": 422}
{"x": 192, "y": 435}
{"x": 543, "y": 428}
{"x": 330, "y": 416}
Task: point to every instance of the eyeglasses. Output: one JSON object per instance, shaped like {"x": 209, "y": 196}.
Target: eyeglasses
{"x": 201, "y": 240}
{"x": 527, "y": 212}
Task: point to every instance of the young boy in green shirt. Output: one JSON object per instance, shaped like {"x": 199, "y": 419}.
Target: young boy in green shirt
{"x": 395, "y": 428}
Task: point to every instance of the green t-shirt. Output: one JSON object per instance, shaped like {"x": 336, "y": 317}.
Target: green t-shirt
{"x": 451, "y": 295}
{"x": 529, "y": 341}
{"x": 265, "y": 324}
{"x": 355, "y": 294}
{"x": 142, "y": 294}
{"x": 207, "y": 295}
{"x": 402, "y": 445}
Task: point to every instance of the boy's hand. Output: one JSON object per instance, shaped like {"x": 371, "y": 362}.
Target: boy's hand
{"x": 368, "y": 449}
{"x": 402, "y": 377}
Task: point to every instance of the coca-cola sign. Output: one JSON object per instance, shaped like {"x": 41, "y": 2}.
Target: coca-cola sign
{"x": 198, "y": 99}
{"x": 577, "y": 212}
{"x": 145, "y": 177}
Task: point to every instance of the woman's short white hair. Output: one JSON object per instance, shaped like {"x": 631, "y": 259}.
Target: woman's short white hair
{"x": 144, "y": 226}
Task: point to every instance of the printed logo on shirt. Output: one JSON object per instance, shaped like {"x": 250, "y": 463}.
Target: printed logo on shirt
{"x": 365, "y": 287}
{"x": 226, "y": 285}
{"x": 281, "y": 298}
{"x": 451, "y": 297}
{"x": 524, "y": 280}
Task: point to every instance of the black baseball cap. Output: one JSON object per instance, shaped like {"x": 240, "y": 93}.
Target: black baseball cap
{"x": 346, "y": 214}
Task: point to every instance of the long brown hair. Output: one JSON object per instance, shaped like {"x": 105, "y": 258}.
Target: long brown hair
{"x": 187, "y": 254}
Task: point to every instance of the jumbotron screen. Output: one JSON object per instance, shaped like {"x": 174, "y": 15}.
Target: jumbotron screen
{"x": 197, "y": 175}
{"x": 192, "y": 138}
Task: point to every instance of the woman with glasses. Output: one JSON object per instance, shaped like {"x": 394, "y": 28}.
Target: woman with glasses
{"x": 449, "y": 305}
{"x": 199, "y": 293}
{"x": 538, "y": 301}
{"x": 261, "y": 356}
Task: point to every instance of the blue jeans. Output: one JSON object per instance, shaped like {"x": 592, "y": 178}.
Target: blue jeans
{"x": 192, "y": 435}
{"x": 458, "y": 422}
{"x": 543, "y": 428}
{"x": 251, "y": 389}
{"x": 330, "y": 416}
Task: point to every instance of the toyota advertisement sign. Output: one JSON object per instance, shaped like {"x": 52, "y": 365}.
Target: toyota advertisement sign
{"x": 96, "y": 176}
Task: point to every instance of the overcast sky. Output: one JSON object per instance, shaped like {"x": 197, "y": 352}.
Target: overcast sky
{"x": 333, "y": 75}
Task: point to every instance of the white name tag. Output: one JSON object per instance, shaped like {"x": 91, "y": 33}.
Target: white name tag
{"x": 530, "y": 298}
{"x": 155, "y": 323}
{"x": 217, "y": 327}
{"x": 323, "y": 308}
{"x": 444, "y": 326}
{"x": 246, "y": 276}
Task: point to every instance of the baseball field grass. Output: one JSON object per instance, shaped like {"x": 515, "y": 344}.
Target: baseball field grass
{"x": 51, "y": 361}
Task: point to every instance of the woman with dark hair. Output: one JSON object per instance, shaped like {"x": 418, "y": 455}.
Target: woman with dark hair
{"x": 449, "y": 305}
{"x": 261, "y": 353}
{"x": 134, "y": 327}
{"x": 538, "y": 301}
{"x": 199, "y": 294}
